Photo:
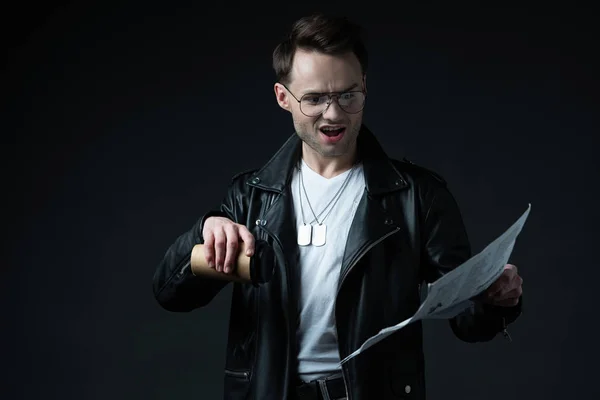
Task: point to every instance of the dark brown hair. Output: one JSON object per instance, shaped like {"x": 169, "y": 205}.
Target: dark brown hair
{"x": 320, "y": 32}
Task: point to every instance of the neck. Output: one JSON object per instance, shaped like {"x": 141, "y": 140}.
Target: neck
{"x": 328, "y": 167}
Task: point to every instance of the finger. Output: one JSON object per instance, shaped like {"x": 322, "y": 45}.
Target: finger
{"x": 209, "y": 249}
{"x": 498, "y": 286}
{"x": 508, "y": 302}
{"x": 512, "y": 268}
{"x": 232, "y": 248}
{"x": 509, "y": 273}
{"x": 248, "y": 240}
{"x": 220, "y": 242}
{"x": 506, "y": 280}
{"x": 495, "y": 287}
{"x": 511, "y": 294}
{"x": 519, "y": 279}
{"x": 515, "y": 282}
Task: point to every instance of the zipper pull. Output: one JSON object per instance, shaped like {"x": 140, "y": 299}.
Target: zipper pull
{"x": 182, "y": 270}
{"x": 505, "y": 331}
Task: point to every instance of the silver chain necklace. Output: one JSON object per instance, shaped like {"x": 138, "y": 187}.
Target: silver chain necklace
{"x": 317, "y": 234}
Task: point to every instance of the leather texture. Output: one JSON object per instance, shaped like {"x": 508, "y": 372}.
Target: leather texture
{"x": 407, "y": 230}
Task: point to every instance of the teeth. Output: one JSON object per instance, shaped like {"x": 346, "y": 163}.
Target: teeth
{"x": 331, "y": 129}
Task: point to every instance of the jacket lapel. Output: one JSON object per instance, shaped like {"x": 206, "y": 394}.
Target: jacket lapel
{"x": 371, "y": 224}
{"x": 381, "y": 176}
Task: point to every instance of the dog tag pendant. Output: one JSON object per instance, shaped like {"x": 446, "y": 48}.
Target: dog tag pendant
{"x": 304, "y": 235}
{"x": 319, "y": 234}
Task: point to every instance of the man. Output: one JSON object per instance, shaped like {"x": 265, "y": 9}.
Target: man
{"x": 354, "y": 234}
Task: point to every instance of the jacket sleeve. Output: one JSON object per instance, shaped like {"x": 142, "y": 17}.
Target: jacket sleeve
{"x": 446, "y": 246}
{"x": 175, "y": 287}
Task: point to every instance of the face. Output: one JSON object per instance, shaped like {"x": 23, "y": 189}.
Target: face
{"x": 332, "y": 133}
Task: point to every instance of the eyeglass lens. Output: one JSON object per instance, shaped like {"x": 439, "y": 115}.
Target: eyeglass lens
{"x": 351, "y": 102}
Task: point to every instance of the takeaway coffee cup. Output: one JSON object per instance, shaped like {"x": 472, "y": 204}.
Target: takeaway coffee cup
{"x": 257, "y": 269}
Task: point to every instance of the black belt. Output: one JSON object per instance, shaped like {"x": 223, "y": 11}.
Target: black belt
{"x": 330, "y": 388}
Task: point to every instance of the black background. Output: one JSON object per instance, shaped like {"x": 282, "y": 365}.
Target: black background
{"x": 125, "y": 123}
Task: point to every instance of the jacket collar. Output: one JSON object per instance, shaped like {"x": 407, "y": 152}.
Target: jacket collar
{"x": 380, "y": 174}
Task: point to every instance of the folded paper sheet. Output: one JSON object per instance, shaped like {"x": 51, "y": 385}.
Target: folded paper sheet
{"x": 451, "y": 294}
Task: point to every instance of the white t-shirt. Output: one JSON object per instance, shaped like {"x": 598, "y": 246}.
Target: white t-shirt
{"x": 319, "y": 268}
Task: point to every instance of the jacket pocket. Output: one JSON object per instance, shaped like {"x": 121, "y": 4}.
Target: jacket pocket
{"x": 237, "y": 384}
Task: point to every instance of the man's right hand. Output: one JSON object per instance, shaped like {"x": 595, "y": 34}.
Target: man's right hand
{"x": 222, "y": 239}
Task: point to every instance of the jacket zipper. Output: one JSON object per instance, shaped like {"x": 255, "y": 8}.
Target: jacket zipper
{"x": 361, "y": 255}
{"x": 260, "y": 224}
{"x": 366, "y": 250}
{"x": 237, "y": 374}
{"x": 505, "y": 330}
{"x": 187, "y": 264}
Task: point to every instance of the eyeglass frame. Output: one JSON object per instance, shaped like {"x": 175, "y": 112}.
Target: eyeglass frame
{"x": 331, "y": 95}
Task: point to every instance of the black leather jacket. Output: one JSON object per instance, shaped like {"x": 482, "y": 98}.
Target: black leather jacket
{"x": 407, "y": 230}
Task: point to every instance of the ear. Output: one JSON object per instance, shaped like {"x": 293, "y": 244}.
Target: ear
{"x": 282, "y": 97}
{"x": 365, "y": 83}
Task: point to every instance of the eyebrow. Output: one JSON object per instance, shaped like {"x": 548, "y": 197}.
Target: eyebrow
{"x": 313, "y": 92}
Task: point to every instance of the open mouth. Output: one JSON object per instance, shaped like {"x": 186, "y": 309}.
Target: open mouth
{"x": 332, "y": 131}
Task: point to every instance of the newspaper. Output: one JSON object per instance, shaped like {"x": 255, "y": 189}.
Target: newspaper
{"x": 450, "y": 295}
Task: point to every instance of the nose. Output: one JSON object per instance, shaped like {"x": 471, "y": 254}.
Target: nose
{"x": 333, "y": 110}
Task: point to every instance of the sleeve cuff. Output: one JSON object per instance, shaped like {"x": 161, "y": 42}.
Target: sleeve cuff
{"x": 509, "y": 313}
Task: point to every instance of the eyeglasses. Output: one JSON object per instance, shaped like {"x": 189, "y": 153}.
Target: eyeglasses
{"x": 313, "y": 104}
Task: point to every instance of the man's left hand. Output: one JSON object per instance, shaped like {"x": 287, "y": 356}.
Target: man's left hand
{"x": 506, "y": 290}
